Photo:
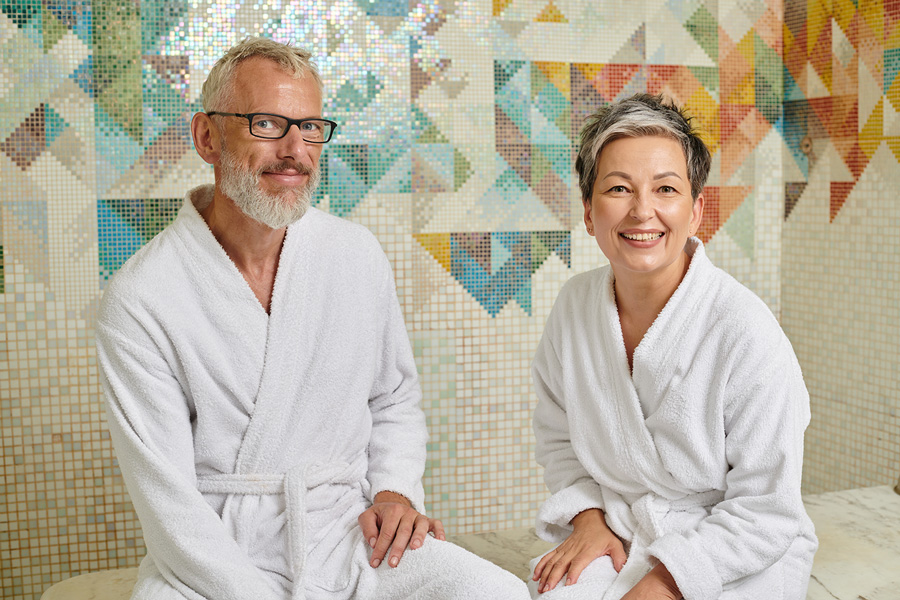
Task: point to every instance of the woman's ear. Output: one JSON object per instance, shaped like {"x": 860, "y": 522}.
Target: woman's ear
{"x": 697, "y": 214}
{"x": 207, "y": 138}
{"x": 588, "y": 218}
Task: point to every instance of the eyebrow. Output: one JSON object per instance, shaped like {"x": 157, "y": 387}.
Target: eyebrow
{"x": 655, "y": 177}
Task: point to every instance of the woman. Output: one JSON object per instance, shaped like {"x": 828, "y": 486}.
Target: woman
{"x": 671, "y": 405}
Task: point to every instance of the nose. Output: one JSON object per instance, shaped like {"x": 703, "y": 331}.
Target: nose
{"x": 642, "y": 205}
{"x": 293, "y": 147}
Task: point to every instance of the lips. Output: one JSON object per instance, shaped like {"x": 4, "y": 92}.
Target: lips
{"x": 287, "y": 175}
{"x": 285, "y": 168}
{"x": 642, "y": 237}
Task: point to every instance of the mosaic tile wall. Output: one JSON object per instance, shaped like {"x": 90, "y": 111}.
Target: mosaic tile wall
{"x": 456, "y": 148}
{"x": 841, "y": 274}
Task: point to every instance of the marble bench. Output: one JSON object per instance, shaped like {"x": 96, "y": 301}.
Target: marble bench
{"x": 858, "y": 557}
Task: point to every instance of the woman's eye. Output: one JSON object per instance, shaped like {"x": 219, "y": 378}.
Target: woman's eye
{"x": 618, "y": 189}
{"x": 667, "y": 189}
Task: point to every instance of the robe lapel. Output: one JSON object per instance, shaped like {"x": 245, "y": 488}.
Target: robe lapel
{"x": 640, "y": 451}
{"x": 233, "y": 309}
{"x": 288, "y": 344}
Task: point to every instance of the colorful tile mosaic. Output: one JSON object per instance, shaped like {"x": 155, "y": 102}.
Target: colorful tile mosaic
{"x": 458, "y": 124}
{"x": 843, "y": 146}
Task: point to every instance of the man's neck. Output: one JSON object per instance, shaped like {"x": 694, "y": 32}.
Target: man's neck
{"x": 253, "y": 247}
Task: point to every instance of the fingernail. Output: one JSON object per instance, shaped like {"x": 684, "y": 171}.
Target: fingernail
{"x": 394, "y": 561}
{"x": 568, "y": 581}
{"x": 372, "y": 541}
{"x": 375, "y": 563}
{"x": 415, "y": 544}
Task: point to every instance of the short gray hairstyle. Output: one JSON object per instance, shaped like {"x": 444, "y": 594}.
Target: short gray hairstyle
{"x": 638, "y": 116}
{"x": 219, "y": 85}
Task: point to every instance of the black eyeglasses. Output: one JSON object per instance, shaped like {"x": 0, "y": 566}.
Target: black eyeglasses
{"x": 275, "y": 127}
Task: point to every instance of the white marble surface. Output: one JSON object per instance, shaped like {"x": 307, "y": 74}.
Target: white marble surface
{"x": 859, "y": 544}
{"x": 510, "y": 549}
{"x": 102, "y": 585}
{"x": 858, "y": 557}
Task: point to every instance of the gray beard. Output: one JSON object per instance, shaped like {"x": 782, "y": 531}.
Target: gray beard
{"x": 273, "y": 210}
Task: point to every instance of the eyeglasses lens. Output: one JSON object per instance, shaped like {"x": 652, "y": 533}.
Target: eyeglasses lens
{"x": 275, "y": 126}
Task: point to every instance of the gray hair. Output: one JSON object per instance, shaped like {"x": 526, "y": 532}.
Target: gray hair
{"x": 219, "y": 85}
{"x": 638, "y": 116}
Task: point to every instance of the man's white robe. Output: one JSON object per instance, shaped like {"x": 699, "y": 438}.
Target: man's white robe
{"x": 694, "y": 456}
{"x": 251, "y": 442}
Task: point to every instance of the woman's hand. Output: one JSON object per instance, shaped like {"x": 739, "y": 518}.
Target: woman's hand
{"x": 591, "y": 539}
{"x": 658, "y": 584}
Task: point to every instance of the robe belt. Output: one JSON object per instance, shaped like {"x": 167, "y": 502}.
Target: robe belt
{"x": 294, "y": 484}
{"x": 650, "y": 509}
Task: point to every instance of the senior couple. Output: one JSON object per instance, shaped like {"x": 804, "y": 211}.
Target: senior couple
{"x": 265, "y": 409}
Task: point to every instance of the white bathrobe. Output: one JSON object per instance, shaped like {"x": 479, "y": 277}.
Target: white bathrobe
{"x": 694, "y": 456}
{"x": 251, "y": 442}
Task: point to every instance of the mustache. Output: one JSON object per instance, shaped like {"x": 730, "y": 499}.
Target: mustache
{"x": 285, "y": 165}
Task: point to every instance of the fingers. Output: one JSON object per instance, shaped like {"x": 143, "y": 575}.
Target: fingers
{"x": 368, "y": 523}
{"x": 578, "y": 565}
{"x": 402, "y": 536}
{"x": 552, "y": 571}
{"x": 420, "y": 529}
{"x": 438, "y": 529}
{"x": 390, "y": 529}
{"x": 554, "y": 575}
{"x": 540, "y": 566}
{"x": 570, "y": 559}
{"x": 617, "y": 554}
{"x": 385, "y": 537}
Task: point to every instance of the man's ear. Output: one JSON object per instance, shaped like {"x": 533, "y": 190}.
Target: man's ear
{"x": 207, "y": 138}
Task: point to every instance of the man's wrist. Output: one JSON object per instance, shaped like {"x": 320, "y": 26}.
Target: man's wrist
{"x": 386, "y": 496}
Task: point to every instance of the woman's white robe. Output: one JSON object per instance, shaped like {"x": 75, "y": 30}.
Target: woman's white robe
{"x": 695, "y": 456}
{"x": 250, "y": 442}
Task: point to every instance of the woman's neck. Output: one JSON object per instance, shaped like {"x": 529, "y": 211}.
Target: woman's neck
{"x": 640, "y": 297}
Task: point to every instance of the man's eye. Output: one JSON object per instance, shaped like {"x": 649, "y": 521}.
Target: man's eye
{"x": 311, "y": 126}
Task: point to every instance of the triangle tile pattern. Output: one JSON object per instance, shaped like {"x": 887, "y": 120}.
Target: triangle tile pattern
{"x": 830, "y": 49}
{"x": 533, "y": 132}
{"x": 28, "y": 140}
{"x": 143, "y": 100}
{"x": 124, "y": 225}
{"x": 551, "y": 14}
{"x": 496, "y": 267}
{"x": 107, "y": 89}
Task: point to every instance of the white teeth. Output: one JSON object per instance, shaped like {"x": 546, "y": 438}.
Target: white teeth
{"x": 642, "y": 237}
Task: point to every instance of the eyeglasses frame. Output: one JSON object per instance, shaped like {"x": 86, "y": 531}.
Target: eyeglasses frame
{"x": 290, "y": 122}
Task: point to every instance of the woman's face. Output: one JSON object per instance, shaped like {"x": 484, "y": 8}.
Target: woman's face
{"x": 641, "y": 212}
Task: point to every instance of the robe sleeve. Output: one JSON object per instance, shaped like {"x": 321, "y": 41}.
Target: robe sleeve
{"x": 766, "y": 412}
{"x": 572, "y": 488}
{"x": 397, "y": 445}
{"x": 150, "y": 424}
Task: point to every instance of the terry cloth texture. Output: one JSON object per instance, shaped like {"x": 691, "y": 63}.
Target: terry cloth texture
{"x": 694, "y": 456}
{"x": 250, "y": 442}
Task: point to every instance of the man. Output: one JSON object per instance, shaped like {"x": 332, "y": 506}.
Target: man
{"x": 262, "y": 396}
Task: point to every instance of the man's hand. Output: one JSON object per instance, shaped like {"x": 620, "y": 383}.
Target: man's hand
{"x": 591, "y": 539}
{"x": 658, "y": 584}
{"x": 392, "y": 523}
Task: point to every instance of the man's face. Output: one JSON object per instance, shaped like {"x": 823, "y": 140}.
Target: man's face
{"x": 272, "y": 181}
